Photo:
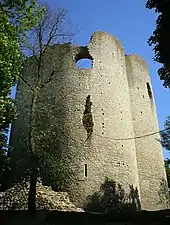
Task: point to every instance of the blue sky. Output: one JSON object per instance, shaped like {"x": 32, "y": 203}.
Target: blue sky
{"x": 131, "y": 23}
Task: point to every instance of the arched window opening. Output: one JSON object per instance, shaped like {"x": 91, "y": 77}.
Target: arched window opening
{"x": 84, "y": 64}
{"x": 149, "y": 90}
{"x": 83, "y": 59}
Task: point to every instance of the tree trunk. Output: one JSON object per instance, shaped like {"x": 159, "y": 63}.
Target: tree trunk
{"x": 34, "y": 174}
{"x": 32, "y": 191}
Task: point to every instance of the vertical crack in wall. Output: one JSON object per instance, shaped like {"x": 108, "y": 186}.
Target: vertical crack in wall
{"x": 88, "y": 118}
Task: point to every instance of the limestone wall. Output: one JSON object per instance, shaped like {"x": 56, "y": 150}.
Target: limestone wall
{"x": 105, "y": 88}
{"x": 148, "y": 148}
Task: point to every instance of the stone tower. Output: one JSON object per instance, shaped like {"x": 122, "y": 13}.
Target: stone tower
{"x": 151, "y": 169}
{"x": 94, "y": 117}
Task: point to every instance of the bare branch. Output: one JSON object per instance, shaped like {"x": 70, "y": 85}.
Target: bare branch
{"x": 26, "y": 82}
{"x": 40, "y": 38}
{"x": 53, "y": 28}
{"x": 53, "y": 20}
{"x": 50, "y": 78}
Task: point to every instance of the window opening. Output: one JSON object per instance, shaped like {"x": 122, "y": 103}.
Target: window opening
{"x": 84, "y": 64}
{"x": 83, "y": 59}
{"x": 85, "y": 170}
{"x": 149, "y": 90}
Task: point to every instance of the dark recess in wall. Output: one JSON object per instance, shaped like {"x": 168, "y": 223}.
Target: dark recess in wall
{"x": 149, "y": 90}
{"x": 87, "y": 117}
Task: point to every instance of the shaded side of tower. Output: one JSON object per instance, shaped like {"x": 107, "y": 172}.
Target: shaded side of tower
{"x": 151, "y": 169}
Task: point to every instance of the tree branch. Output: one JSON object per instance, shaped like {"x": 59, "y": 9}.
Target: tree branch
{"x": 49, "y": 80}
{"x": 26, "y": 82}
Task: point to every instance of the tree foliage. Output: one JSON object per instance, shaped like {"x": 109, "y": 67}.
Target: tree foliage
{"x": 165, "y": 135}
{"x": 16, "y": 18}
{"x": 167, "y": 167}
{"x": 22, "y": 14}
{"x": 10, "y": 62}
{"x": 15, "y": 21}
{"x": 165, "y": 140}
{"x": 160, "y": 38}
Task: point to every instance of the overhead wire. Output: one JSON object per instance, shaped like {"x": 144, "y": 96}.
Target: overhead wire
{"x": 131, "y": 138}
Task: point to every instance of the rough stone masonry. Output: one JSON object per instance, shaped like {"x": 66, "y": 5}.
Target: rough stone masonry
{"x": 99, "y": 119}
